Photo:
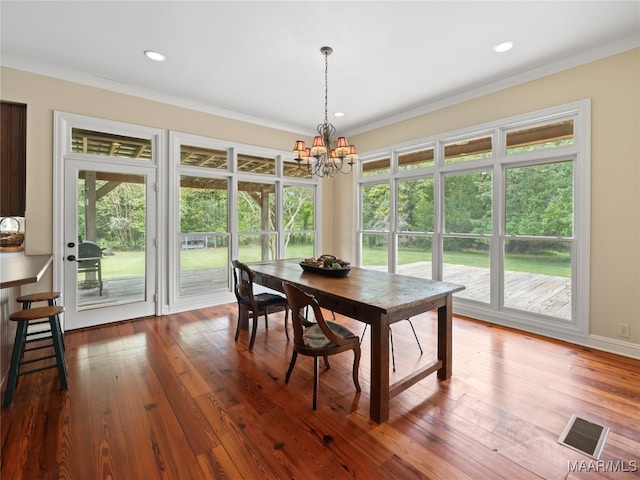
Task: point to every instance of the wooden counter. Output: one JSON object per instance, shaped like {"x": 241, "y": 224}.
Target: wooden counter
{"x": 16, "y": 269}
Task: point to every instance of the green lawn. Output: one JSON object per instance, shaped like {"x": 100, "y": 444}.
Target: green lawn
{"x": 127, "y": 263}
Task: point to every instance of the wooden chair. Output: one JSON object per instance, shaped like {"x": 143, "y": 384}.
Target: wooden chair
{"x": 319, "y": 339}
{"x": 256, "y": 305}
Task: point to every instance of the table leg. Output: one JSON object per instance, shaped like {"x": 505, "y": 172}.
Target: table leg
{"x": 445, "y": 334}
{"x": 379, "y": 407}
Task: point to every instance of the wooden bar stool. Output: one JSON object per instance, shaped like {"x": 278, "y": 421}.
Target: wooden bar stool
{"x": 27, "y": 300}
{"x": 25, "y": 318}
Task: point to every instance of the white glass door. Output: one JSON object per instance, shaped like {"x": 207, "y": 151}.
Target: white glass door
{"x": 109, "y": 242}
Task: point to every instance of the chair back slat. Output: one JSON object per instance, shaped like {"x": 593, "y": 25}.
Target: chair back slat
{"x": 243, "y": 282}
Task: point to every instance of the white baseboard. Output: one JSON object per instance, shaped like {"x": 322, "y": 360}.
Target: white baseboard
{"x": 569, "y": 334}
{"x": 613, "y": 345}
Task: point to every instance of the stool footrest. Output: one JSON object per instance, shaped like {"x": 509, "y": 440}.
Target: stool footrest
{"x": 39, "y": 347}
{"x": 33, "y": 323}
{"x": 34, "y": 370}
{"x": 34, "y": 360}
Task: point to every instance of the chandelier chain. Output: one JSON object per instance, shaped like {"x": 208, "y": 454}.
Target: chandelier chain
{"x": 326, "y": 87}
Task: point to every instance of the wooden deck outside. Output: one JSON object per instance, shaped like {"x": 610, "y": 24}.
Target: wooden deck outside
{"x": 543, "y": 294}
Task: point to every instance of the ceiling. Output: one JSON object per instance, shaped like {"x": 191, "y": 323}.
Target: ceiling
{"x": 261, "y": 61}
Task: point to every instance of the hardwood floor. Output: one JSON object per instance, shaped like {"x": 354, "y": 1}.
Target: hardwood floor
{"x": 176, "y": 398}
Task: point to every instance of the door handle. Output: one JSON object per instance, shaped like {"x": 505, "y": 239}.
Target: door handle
{"x": 72, "y": 258}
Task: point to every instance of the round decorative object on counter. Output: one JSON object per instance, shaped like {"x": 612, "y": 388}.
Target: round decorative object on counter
{"x": 10, "y": 234}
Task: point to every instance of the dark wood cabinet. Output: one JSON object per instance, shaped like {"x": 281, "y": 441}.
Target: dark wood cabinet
{"x": 13, "y": 159}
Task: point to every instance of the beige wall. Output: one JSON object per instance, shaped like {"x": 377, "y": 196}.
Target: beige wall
{"x": 613, "y": 84}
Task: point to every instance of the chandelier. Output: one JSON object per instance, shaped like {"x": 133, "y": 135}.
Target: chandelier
{"x": 327, "y": 156}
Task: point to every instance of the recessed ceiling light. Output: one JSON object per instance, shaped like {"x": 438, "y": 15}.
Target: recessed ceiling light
{"x": 338, "y": 114}
{"x": 158, "y": 57}
{"x": 503, "y": 47}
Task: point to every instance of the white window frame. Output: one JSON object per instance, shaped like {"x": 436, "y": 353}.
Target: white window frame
{"x": 179, "y": 303}
{"x": 577, "y": 328}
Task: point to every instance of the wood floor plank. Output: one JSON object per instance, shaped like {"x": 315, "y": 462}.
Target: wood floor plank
{"x": 238, "y": 446}
{"x": 175, "y": 397}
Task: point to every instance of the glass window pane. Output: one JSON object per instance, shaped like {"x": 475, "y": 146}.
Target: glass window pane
{"x": 204, "y": 157}
{"x": 375, "y": 207}
{"x": 299, "y": 244}
{"x": 415, "y": 205}
{"x": 414, "y": 255}
{"x": 298, "y": 208}
{"x": 203, "y": 204}
{"x": 204, "y": 237}
{"x": 257, "y": 248}
{"x": 537, "y": 277}
{"x": 298, "y": 217}
{"x": 468, "y": 203}
{"x": 539, "y": 200}
{"x": 254, "y": 164}
{"x": 100, "y": 143}
{"x": 466, "y": 262}
{"x": 256, "y": 207}
{"x": 542, "y": 136}
{"x": 375, "y": 251}
{"x": 466, "y": 150}
{"x": 414, "y": 160}
{"x": 204, "y": 263}
{"x": 111, "y": 239}
{"x": 376, "y": 167}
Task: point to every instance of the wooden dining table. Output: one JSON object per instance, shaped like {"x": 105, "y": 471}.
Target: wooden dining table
{"x": 378, "y": 299}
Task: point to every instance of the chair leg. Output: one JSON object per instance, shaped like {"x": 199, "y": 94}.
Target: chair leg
{"x": 286, "y": 320}
{"x": 254, "y": 329}
{"x": 364, "y": 331}
{"x": 18, "y": 350}
{"x": 316, "y": 369}
{"x": 356, "y": 366}
{"x": 238, "y": 326}
{"x": 294, "y": 357}
{"x": 415, "y": 335}
{"x": 393, "y": 353}
{"x": 326, "y": 362}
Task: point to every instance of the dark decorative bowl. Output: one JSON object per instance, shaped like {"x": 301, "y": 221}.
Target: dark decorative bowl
{"x": 328, "y": 272}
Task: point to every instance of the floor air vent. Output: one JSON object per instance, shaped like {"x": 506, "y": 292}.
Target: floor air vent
{"x": 584, "y": 436}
